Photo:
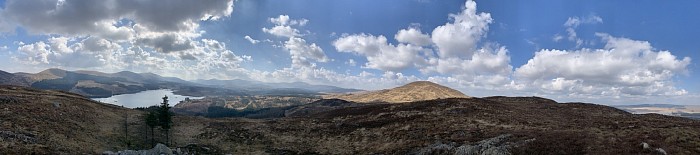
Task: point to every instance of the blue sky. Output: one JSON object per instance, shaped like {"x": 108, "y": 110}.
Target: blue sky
{"x": 606, "y": 52}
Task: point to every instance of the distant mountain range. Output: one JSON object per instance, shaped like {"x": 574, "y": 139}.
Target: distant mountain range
{"x": 262, "y": 87}
{"x": 99, "y": 84}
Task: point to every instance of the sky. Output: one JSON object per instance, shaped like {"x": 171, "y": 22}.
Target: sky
{"x": 606, "y": 52}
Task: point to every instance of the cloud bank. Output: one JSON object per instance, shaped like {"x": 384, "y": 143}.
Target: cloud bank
{"x": 115, "y": 35}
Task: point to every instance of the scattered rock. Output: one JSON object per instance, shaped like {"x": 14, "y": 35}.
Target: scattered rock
{"x": 647, "y": 148}
{"x": 9, "y": 100}
{"x": 56, "y": 104}
{"x": 159, "y": 149}
{"x": 493, "y": 146}
{"x": 660, "y": 151}
{"x": 26, "y": 138}
{"x": 645, "y": 145}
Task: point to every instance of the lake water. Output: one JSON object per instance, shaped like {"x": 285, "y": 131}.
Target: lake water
{"x": 144, "y": 98}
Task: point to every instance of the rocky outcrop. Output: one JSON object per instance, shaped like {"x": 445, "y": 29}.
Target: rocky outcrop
{"x": 647, "y": 148}
{"x": 26, "y": 138}
{"x": 159, "y": 149}
{"x": 498, "y": 145}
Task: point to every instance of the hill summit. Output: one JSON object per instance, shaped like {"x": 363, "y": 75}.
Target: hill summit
{"x": 414, "y": 91}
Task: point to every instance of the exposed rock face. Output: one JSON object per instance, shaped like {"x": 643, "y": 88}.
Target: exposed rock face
{"x": 414, "y": 91}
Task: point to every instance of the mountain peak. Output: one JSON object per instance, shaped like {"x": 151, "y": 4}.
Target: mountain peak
{"x": 422, "y": 83}
{"x": 414, "y": 91}
{"x": 51, "y": 73}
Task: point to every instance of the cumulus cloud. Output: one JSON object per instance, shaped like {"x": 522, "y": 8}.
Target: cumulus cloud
{"x": 92, "y": 52}
{"x": 283, "y": 27}
{"x": 458, "y": 54}
{"x": 74, "y": 17}
{"x": 127, "y": 22}
{"x": 251, "y": 40}
{"x": 622, "y": 67}
{"x": 316, "y": 75}
{"x": 413, "y": 36}
{"x": 486, "y": 66}
{"x": 282, "y": 31}
{"x": 284, "y": 20}
{"x": 460, "y": 57}
{"x": 459, "y": 38}
{"x": 380, "y": 54}
{"x": 303, "y": 54}
{"x": 127, "y": 34}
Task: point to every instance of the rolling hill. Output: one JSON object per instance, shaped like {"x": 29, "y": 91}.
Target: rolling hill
{"x": 55, "y": 122}
{"x": 414, "y": 91}
{"x": 98, "y": 84}
{"x": 12, "y": 79}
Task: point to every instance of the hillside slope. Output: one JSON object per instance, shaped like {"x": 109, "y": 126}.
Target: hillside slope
{"x": 517, "y": 125}
{"x": 11, "y": 79}
{"x": 53, "y": 122}
{"x": 94, "y": 83}
{"x": 414, "y": 91}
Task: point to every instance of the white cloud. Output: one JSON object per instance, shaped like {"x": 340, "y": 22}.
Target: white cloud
{"x": 380, "y": 54}
{"x": 460, "y": 57}
{"x": 487, "y": 66}
{"x": 70, "y": 17}
{"x": 458, "y": 54}
{"x": 283, "y": 27}
{"x": 413, "y": 36}
{"x": 251, "y": 40}
{"x": 127, "y": 22}
{"x": 303, "y": 54}
{"x": 282, "y": 31}
{"x": 285, "y": 20}
{"x": 92, "y": 52}
{"x": 300, "y": 22}
{"x": 351, "y": 62}
{"x": 557, "y": 38}
{"x": 623, "y": 67}
{"x": 576, "y": 21}
{"x": 73, "y": 18}
{"x": 459, "y": 38}
{"x": 316, "y": 75}
{"x": 572, "y": 23}
{"x": 35, "y": 53}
